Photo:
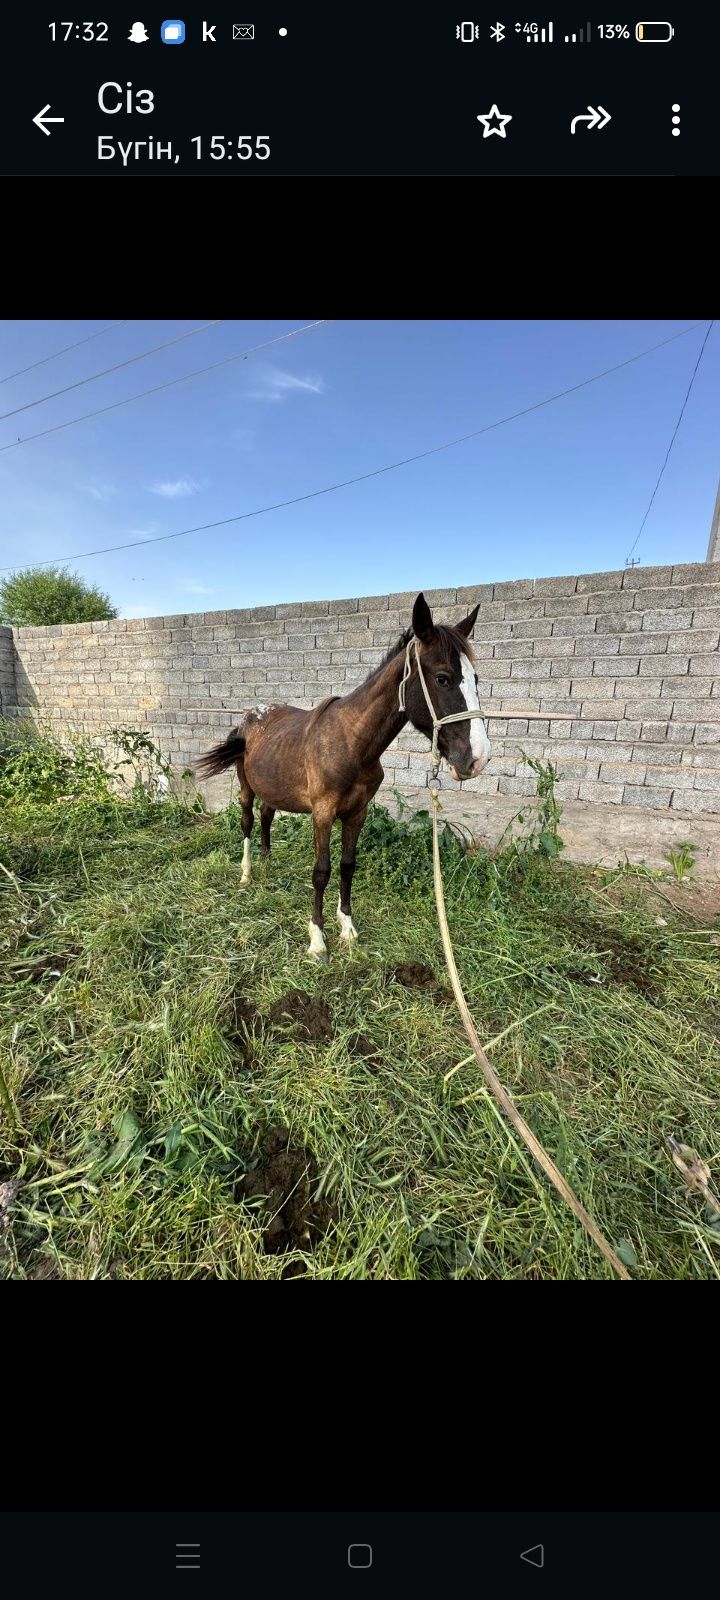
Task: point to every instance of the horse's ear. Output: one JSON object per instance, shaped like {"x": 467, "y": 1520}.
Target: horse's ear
{"x": 423, "y": 625}
{"x": 467, "y": 626}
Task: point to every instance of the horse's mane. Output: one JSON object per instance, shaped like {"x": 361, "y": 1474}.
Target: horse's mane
{"x": 449, "y": 636}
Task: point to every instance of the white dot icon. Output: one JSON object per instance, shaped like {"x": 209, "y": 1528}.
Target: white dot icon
{"x": 282, "y": 32}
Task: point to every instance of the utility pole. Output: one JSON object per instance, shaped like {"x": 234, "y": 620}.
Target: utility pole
{"x": 713, "y": 550}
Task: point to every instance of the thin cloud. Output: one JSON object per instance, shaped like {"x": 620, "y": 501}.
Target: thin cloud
{"x": 100, "y": 491}
{"x": 177, "y": 489}
{"x": 276, "y": 385}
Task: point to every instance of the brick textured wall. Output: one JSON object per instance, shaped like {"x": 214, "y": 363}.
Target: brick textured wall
{"x": 632, "y": 653}
{"x": 7, "y": 673}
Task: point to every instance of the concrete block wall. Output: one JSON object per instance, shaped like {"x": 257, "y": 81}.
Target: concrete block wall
{"x": 632, "y": 654}
{"x": 8, "y": 698}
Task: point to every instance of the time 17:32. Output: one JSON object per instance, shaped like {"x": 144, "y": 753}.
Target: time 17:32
{"x": 89, "y": 32}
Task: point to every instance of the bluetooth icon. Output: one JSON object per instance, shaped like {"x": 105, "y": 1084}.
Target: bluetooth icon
{"x": 498, "y": 32}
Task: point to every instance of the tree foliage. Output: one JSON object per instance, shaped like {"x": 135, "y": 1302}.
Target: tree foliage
{"x": 39, "y": 596}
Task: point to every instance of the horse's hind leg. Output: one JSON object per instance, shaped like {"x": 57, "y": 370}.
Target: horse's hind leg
{"x": 247, "y": 796}
{"x": 266, "y": 815}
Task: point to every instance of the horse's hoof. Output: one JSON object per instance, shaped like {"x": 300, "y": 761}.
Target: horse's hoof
{"x": 348, "y": 931}
{"x": 319, "y": 955}
{"x": 317, "y": 948}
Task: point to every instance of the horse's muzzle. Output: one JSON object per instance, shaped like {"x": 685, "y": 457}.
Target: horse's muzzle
{"x": 473, "y": 771}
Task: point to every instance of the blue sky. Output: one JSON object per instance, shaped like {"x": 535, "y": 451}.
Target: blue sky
{"x": 562, "y": 490}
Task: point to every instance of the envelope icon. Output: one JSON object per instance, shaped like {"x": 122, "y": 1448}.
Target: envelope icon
{"x": 243, "y": 30}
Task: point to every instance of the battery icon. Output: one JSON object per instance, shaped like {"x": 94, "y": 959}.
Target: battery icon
{"x": 654, "y": 32}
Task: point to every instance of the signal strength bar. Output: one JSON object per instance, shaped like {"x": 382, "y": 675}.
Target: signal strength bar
{"x": 535, "y": 38}
{"x": 583, "y": 37}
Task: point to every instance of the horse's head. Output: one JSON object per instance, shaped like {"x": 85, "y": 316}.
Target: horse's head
{"x": 448, "y": 666}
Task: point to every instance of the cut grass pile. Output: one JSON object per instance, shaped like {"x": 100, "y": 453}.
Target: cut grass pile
{"x": 185, "y": 1095}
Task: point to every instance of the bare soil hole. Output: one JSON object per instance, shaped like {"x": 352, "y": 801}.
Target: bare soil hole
{"x": 238, "y": 1029}
{"x": 53, "y": 966}
{"x": 286, "y": 1178}
{"x": 306, "y": 1018}
{"x": 413, "y": 975}
{"x": 363, "y": 1049}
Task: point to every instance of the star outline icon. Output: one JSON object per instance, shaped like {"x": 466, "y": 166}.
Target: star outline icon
{"x": 487, "y": 117}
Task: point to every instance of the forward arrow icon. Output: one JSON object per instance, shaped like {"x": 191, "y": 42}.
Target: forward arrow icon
{"x": 596, "y": 119}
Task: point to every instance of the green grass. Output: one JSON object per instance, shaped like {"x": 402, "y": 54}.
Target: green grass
{"x": 136, "y": 1099}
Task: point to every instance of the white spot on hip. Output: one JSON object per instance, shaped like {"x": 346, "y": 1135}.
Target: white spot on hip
{"x": 479, "y": 742}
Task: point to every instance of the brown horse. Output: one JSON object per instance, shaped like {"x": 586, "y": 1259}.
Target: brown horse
{"x": 327, "y": 761}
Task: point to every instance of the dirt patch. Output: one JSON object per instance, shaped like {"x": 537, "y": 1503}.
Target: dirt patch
{"x": 697, "y": 899}
{"x": 701, "y": 901}
{"x": 238, "y": 1029}
{"x": 53, "y": 966}
{"x": 297, "y": 1013}
{"x": 45, "y": 1271}
{"x": 631, "y": 968}
{"x": 9, "y": 1190}
{"x": 413, "y": 975}
{"x": 363, "y": 1049}
{"x": 286, "y": 1178}
{"x": 631, "y": 959}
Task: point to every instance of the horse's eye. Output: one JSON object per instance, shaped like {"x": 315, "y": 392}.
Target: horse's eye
{"x": 442, "y": 679}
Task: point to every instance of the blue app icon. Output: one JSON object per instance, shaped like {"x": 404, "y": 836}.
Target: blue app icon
{"x": 172, "y": 32}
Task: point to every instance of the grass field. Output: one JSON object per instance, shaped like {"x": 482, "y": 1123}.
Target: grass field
{"x": 185, "y": 1095}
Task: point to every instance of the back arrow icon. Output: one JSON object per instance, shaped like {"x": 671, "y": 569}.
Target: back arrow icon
{"x": 596, "y": 119}
{"x": 41, "y": 119}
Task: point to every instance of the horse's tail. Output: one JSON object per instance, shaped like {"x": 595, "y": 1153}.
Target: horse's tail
{"x": 221, "y": 755}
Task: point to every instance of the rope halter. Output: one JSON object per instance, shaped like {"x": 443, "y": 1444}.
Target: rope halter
{"x": 437, "y": 722}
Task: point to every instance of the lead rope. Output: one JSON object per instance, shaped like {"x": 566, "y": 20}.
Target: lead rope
{"x": 490, "y": 1076}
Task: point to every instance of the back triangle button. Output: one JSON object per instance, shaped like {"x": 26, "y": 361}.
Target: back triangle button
{"x": 535, "y": 1556}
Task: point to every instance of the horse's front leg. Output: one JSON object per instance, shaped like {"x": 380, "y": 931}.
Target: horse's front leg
{"x": 350, "y": 831}
{"x": 322, "y": 824}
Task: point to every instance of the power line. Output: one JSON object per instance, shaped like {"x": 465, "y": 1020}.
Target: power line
{"x": 95, "y": 375}
{"x": 672, "y": 441}
{"x": 62, "y": 352}
{"x": 242, "y": 356}
{"x": 314, "y": 494}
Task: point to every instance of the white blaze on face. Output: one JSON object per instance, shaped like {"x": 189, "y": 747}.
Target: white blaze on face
{"x": 479, "y": 742}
